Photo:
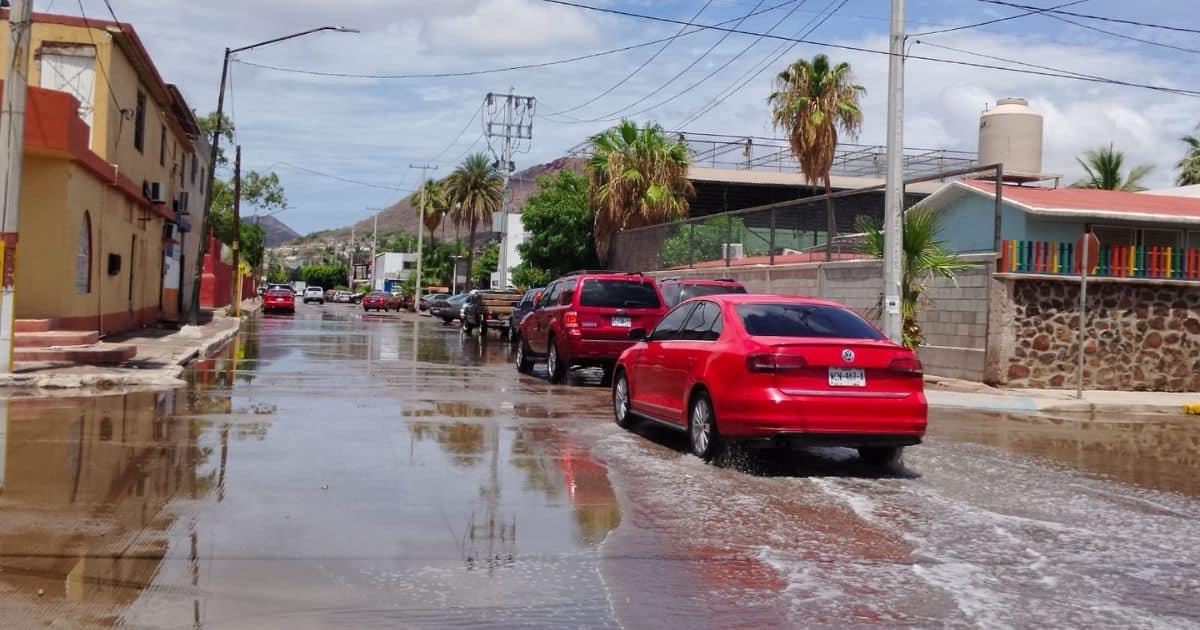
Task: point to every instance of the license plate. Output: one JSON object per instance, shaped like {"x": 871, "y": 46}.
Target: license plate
{"x": 847, "y": 377}
{"x": 621, "y": 322}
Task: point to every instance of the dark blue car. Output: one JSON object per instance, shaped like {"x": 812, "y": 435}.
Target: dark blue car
{"x": 519, "y": 312}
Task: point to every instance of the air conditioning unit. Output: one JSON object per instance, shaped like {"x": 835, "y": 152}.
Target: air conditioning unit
{"x": 168, "y": 231}
{"x": 733, "y": 251}
{"x": 184, "y": 199}
{"x": 156, "y": 193}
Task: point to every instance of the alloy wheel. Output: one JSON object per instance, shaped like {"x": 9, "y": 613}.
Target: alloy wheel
{"x": 702, "y": 428}
{"x": 621, "y": 400}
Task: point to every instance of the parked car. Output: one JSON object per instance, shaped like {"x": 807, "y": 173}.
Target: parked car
{"x": 314, "y": 294}
{"x": 281, "y": 287}
{"x": 375, "y": 301}
{"x": 775, "y": 371}
{"x": 398, "y": 301}
{"x": 584, "y": 319}
{"x": 357, "y": 298}
{"x": 488, "y": 310}
{"x": 427, "y": 300}
{"x": 676, "y": 290}
{"x": 279, "y": 300}
{"x": 449, "y": 309}
{"x": 523, "y": 308}
{"x": 341, "y": 297}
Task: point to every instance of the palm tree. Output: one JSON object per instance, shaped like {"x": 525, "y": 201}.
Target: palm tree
{"x": 924, "y": 256}
{"x": 811, "y": 101}
{"x": 636, "y": 177}
{"x": 1189, "y": 166}
{"x": 476, "y": 190}
{"x": 1103, "y": 168}
{"x": 430, "y": 204}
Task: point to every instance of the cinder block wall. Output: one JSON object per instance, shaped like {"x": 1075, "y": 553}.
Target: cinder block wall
{"x": 955, "y": 319}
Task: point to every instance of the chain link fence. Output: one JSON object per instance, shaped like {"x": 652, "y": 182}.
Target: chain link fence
{"x": 813, "y": 229}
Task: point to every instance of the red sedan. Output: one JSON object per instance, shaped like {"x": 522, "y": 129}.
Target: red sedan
{"x": 377, "y": 301}
{"x": 279, "y": 300}
{"x": 777, "y": 371}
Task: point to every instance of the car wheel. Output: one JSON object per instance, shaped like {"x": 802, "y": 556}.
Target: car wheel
{"x": 524, "y": 363}
{"x": 606, "y": 378}
{"x": 620, "y": 395}
{"x": 884, "y": 456}
{"x": 702, "y": 427}
{"x": 512, "y": 335}
{"x": 554, "y": 364}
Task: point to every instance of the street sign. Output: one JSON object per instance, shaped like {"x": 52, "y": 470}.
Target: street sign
{"x": 1093, "y": 250}
{"x": 892, "y": 304}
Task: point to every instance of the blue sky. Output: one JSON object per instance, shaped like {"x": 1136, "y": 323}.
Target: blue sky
{"x": 372, "y": 130}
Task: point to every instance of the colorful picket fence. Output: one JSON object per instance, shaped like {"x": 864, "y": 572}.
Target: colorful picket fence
{"x": 1115, "y": 261}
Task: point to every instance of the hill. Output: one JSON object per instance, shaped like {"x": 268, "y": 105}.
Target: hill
{"x": 277, "y": 231}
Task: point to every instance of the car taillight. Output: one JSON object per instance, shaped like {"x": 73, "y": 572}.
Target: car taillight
{"x": 908, "y": 366}
{"x": 571, "y": 319}
{"x": 774, "y": 363}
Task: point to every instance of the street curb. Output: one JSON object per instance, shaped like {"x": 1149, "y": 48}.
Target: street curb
{"x": 1031, "y": 405}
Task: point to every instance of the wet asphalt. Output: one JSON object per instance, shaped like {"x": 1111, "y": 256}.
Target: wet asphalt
{"x": 336, "y": 469}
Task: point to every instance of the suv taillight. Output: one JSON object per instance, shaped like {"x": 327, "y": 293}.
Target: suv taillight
{"x": 771, "y": 363}
{"x": 571, "y": 319}
{"x": 908, "y": 366}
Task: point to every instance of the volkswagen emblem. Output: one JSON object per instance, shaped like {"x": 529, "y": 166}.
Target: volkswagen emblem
{"x": 848, "y": 355}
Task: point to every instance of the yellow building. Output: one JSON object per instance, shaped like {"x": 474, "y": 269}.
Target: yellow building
{"x": 111, "y": 159}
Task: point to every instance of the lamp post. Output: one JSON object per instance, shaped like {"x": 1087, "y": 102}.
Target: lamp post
{"x": 194, "y": 311}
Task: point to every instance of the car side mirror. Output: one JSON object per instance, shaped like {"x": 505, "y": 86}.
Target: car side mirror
{"x": 637, "y": 334}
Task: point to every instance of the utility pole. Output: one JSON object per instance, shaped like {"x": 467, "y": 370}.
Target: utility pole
{"x": 893, "y": 202}
{"x": 425, "y": 168}
{"x": 510, "y": 118}
{"x": 350, "y": 253}
{"x": 236, "y": 290}
{"x": 374, "y": 244}
{"x": 12, "y": 134}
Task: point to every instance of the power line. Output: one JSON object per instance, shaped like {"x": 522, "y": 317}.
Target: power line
{"x": 110, "y": 11}
{"x": 1102, "y": 18}
{"x": 955, "y": 62}
{"x": 1121, "y": 35}
{"x": 638, "y": 69}
{"x": 99, "y": 62}
{"x": 716, "y": 71}
{"x": 997, "y": 20}
{"x": 460, "y": 134}
{"x": 343, "y": 179}
{"x": 828, "y": 12}
{"x": 471, "y": 73}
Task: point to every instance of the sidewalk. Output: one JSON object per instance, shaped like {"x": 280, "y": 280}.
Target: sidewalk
{"x": 947, "y": 393}
{"x": 161, "y": 357}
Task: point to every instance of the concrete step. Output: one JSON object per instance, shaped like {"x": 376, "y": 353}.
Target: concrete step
{"x": 50, "y": 338}
{"x": 106, "y": 354}
{"x": 33, "y": 325}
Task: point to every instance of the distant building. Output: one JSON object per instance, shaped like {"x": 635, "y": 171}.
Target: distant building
{"x": 392, "y": 269}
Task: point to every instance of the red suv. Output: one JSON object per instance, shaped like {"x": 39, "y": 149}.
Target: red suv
{"x": 584, "y": 319}
{"x": 676, "y": 290}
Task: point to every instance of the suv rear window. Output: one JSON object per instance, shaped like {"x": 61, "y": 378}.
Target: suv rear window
{"x": 619, "y": 294}
{"x": 804, "y": 320}
{"x": 696, "y": 290}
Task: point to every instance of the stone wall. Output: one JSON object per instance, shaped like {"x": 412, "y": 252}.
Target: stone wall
{"x": 955, "y": 320}
{"x": 1139, "y": 334}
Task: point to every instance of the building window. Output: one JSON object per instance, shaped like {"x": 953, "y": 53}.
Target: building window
{"x": 1109, "y": 235}
{"x": 203, "y": 179}
{"x": 1193, "y": 239}
{"x": 194, "y": 169}
{"x": 83, "y": 256}
{"x": 1161, "y": 238}
{"x": 139, "y": 123}
{"x": 162, "y": 146}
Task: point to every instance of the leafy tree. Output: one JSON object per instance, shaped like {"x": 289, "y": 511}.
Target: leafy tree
{"x": 475, "y": 190}
{"x": 684, "y": 246}
{"x": 262, "y": 193}
{"x": 811, "y": 101}
{"x": 924, "y": 256}
{"x": 327, "y": 275}
{"x": 398, "y": 241}
{"x": 208, "y": 124}
{"x": 560, "y": 227}
{"x": 275, "y": 272}
{"x": 637, "y": 177}
{"x": 489, "y": 261}
{"x": 525, "y": 276}
{"x": 1189, "y": 166}
{"x": 1103, "y": 169}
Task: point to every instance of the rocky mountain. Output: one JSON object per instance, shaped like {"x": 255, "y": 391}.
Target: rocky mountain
{"x": 277, "y": 231}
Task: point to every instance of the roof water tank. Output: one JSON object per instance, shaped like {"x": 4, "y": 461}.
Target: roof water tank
{"x": 1011, "y": 133}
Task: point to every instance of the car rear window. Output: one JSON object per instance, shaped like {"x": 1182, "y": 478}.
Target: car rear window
{"x": 619, "y": 294}
{"x": 278, "y": 293}
{"x": 804, "y": 320}
{"x": 696, "y": 290}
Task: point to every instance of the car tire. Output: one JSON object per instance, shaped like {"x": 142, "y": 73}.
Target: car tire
{"x": 620, "y": 393}
{"x": 882, "y": 456}
{"x": 703, "y": 439}
{"x": 524, "y": 363}
{"x": 513, "y": 335}
{"x": 606, "y": 377}
{"x": 554, "y": 363}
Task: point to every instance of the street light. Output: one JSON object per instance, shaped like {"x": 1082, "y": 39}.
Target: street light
{"x": 212, "y": 162}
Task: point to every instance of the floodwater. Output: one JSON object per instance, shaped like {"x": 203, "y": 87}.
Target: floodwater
{"x": 339, "y": 470}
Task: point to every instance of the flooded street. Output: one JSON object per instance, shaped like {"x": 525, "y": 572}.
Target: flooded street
{"x": 339, "y": 470}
